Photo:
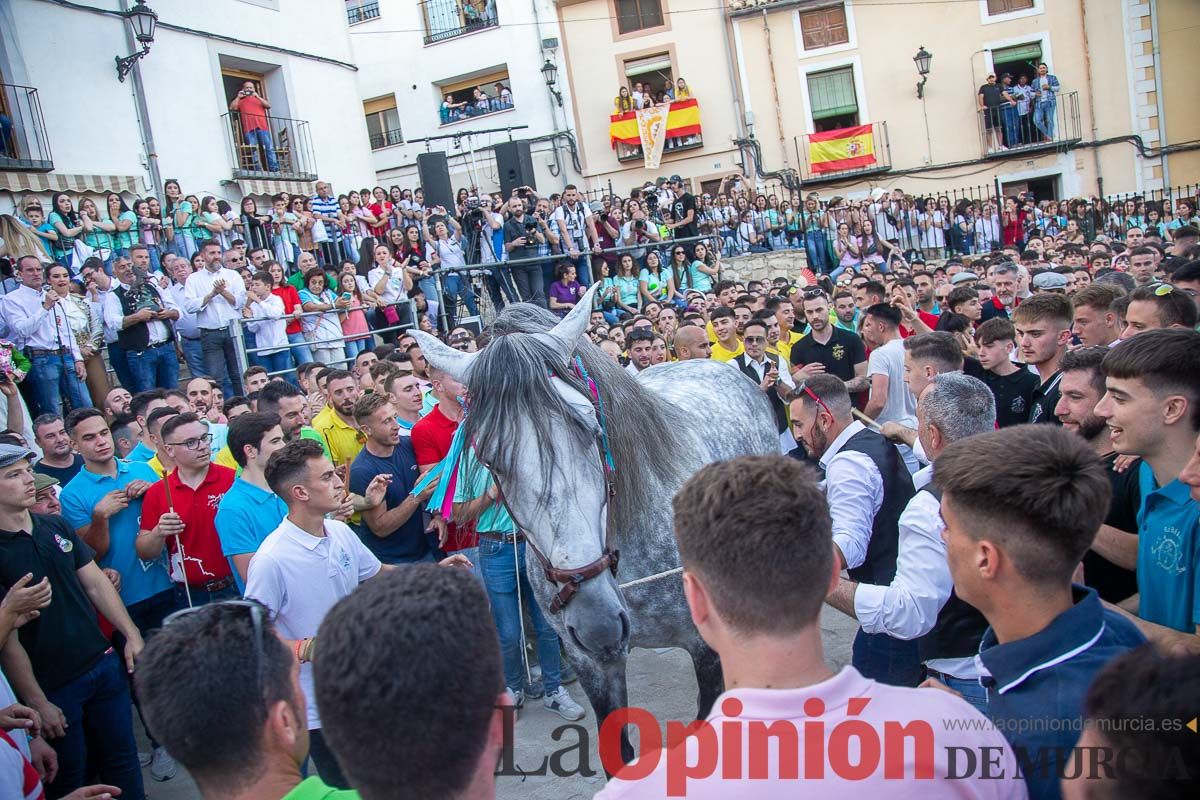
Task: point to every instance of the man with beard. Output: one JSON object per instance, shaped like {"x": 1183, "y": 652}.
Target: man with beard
{"x": 846, "y": 314}
{"x": 336, "y": 420}
{"x": 691, "y": 342}
{"x": 284, "y": 399}
{"x": 828, "y": 348}
{"x": 1080, "y": 389}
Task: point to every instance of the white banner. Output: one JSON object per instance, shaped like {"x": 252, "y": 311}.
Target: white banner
{"x": 652, "y": 129}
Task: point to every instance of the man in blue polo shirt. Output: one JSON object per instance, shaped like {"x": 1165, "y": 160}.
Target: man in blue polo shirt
{"x": 103, "y": 503}
{"x": 249, "y": 511}
{"x": 1152, "y": 407}
{"x": 1013, "y": 541}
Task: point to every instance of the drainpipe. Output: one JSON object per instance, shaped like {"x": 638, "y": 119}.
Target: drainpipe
{"x": 1091, "y": 95}
{"x": 775, "y": 91}
{"x": 1158, "y": 93}
{"x": 140, "y": 108}
{"x": 731, "y": 68}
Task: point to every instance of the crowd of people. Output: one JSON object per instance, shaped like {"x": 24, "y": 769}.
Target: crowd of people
{"x": 1007, "y": 443}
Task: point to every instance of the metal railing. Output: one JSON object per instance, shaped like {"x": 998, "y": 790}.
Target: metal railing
{"x": 362, "y": 12}
{"x": 448, "y": 19}
{"x": 386, "y": 139}
{"x": 879, "y": 160}
{"x": 1004, "y": 130}
{"x": 474, "y": 109}
{"x": 24, "y": 143}
{"x": 1157, "y": 211}
{"x": 280, "y": 150}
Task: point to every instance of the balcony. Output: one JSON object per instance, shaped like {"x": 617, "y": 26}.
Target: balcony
{"x": 24, "y": 143}
{"x": 1004, "y": 132}
{"x": 358, "y": 11}
{"x": 386, "y": 139}
{"x": 447, "y": 19}
{"x": 682, "y": 131}
{"x": 843, "y": 154}
{"x": 270, "y": 148}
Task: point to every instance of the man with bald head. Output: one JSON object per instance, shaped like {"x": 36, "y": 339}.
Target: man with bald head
{"x": 691, "y": 342}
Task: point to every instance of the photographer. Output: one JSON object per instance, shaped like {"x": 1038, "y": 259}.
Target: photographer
{"x": 577, "y": 228}
{"x": 252, "y": 108}
{"x": 445, "y": 253}
{"x": 638, "y": 231}
{"x": 523, "y": 238}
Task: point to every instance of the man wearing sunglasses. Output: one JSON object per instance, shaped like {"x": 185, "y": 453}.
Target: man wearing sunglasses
{"x": 179, "y": 513}
{"x": 1156, "y": 307}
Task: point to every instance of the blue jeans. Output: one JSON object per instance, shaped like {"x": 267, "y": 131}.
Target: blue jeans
{"x": 262, "y": 137}
{"x": 1008, "y": 117}
{"x": 498, "y": 568}
{"x": 971, "y": 690}
{"x": 203, "y": 598}
{"x": 54, "y": 380}
{"x": 154, "y": 368}
{"x": 277, "y": 363}
{"x": 455, "y": 289}
{"x": 817, "y": 251}
{"x": 301, "y": 352}
{"x": 583, "y": 268}
{"x": 99, "y": 741}
{"x": 353, "y": 348}
{"x": 193, "y": 355}
{"x": 892, "y": 661}
{"x": 220, "y": 360}
{"x": 120, "y": 364}
{"x": 1043, "y": 117}
{"x": 183, "y": 245}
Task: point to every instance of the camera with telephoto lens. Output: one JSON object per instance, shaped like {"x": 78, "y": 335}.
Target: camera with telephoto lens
{"x": 530, "y": 228}
{"x": 639, "y": 224}
{"x": 474, "y": 203}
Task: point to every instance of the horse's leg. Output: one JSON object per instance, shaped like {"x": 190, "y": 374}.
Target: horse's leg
{"x": 709, "y": 678}
{"x": 604, "y": 684}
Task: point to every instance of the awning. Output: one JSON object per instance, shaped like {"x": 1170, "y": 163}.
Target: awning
{"x": 271, "y": 187}
{"x": 62, "y": 182}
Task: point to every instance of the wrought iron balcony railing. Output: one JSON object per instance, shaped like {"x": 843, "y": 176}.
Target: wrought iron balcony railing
{"x": 24, "y": 143}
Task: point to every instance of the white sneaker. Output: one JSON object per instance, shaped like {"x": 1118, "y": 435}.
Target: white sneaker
{"x": 559, "y": 701}
{"x": 144, "y": 759}
{"x": 162, "y": 766}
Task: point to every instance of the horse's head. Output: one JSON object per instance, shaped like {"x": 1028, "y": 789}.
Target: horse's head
{"x": 534, "y": 423}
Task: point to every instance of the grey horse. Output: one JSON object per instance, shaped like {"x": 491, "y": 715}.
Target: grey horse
{"x": 535, "y": 423}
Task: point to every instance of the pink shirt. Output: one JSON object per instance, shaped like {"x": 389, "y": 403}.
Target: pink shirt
{"x": 932, "y": 720}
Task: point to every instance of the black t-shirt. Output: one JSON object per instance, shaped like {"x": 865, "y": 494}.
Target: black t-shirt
{"x": 64, "y": 474}
{"x": 515, "y": 229}
{"x": 1045, "y": 398}
{"x": 1111, "y": 582}
{"x": 684, "y": 203}
{"x": 1013, "y": 395}
{"x": 993, "y": 94}
{"x": 64, "y": 641}
{"x": 839, "y": 355}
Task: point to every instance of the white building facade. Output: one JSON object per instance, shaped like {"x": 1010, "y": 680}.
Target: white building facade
{"x": 75, "y": 127}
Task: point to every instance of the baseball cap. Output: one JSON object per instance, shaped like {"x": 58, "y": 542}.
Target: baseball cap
{"x": 676, "y": 179}
{"x": 1049, "y": 280}
{"x": 963, "y": 277}
{"x": 11, "y": 454}
{"x": 41, "y": 481}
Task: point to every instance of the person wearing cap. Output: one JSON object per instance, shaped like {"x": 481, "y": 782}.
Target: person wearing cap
{"x": 1050, "y": 281}
{"x": 60, "y": 664}
{"x": 964, "y": 279}
{"x": 683, "y": 211}
{"x": 46, "y": 490}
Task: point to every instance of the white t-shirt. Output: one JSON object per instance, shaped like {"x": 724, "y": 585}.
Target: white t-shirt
{"x": 575, "y": 222}
{"x": 901, "y": 406}
{"x": 393, "y": 290}
{"x": 300, "y": 577}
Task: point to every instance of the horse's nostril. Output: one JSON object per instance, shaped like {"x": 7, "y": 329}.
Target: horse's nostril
{"x": 624, "y": 630}
{"x": 575, "y": 639}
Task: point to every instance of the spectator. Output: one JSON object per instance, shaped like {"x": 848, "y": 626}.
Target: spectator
{"x": 769, "y": 372}
{"x": 137, "y": 310}
{"x": 431, "y": 439}
{"x": 323, "y": 329}
{"x": 1013, "y": 542}
{"x": 523, "y": 238}
{"x": 890, "y": 400}
{"x": 265, "y": 316}
{"x": 576, "y": 229}
{"x": 1095, "y": 324}
{"x": 1043, "y": 326}
{"x": 1158, "y": 307}
{"x": 216, "y": 295}
{"x": 336, "y": 422}
{"x": 1045, "y": 92}
{"x": 1011, "y": 384}
{"x": 86, "y": 326}
{"x": 251, "y": 109}
{"x": 126, "y": 433}
{"x": 565, "y": 292}
{"x": 59, "y": 460}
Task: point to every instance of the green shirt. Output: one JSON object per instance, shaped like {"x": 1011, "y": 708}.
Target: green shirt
{"x": 126, "y": 239}
{"x": 311, "y": 433}
{"x": 474, "y": 480}
{"x": 316, "y": 789}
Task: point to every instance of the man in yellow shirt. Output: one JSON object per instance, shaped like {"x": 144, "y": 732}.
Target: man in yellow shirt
{"x": 786, "y": 316}
{"x": 727, "y": 345}
{"x": 336, "y": 420}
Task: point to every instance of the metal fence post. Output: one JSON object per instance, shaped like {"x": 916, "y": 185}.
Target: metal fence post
{"x": 239, "y": 345}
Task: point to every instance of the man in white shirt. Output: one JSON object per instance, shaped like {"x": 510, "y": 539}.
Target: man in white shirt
{"x": 141, "y": 316}
{"x": 269, "y": 325}
{"x": 914, "y": 605}
{"x": 771, "y": 375}
{"x": 309, "y": 563}
{"x": 867, "y": 486}
{"x": 187, "y": 327}
{"x": 891, "y": 400}
{"x": 216, "y": 294}
{"x": 576, "y": 229}
{"x": 37, "y": 324}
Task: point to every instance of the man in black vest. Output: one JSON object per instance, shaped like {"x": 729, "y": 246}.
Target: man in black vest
{"x": 919, "y": 603}
{"x": 767, "y": 371}
{"x": 136, "y": 310}
{"x": 867, "y": 486}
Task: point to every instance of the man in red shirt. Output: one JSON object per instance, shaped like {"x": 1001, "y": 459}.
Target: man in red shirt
{"x": 251, "y": 108}
{"x": 431, "y": 442}
{"x": 180, "y": 512}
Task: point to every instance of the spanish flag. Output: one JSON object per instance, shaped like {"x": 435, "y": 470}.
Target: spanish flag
{"x": 843, "y": 149}
{"x": 683, "y": 120}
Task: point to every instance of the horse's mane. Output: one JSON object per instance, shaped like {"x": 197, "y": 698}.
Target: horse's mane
{"x": 510, "y": 380}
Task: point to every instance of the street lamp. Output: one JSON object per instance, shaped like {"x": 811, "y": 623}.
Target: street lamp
{"x": 550, "y": 73}
{"x": 142, "y": 20}
{"x": 922, "y": 59}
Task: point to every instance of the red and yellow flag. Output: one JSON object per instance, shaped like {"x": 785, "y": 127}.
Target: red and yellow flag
{"x": 843, "y": 149}
{"x": 683, "y": 120}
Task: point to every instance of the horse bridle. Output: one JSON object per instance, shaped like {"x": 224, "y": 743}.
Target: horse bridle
{"x": 572, "y": 579}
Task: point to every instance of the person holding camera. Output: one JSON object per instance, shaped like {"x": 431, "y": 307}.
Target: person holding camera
{"x": 523, "y": 237}
{"x": 252, "y": 108}
{"x": 638, "y": 231}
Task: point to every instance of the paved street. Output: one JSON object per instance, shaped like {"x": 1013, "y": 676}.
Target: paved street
{"x": 659, "y": 681}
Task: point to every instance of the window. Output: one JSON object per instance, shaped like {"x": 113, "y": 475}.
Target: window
{"x": 995, "y": 7}
{"x": 636, "y": 15}
{"x": 654, "y": 71}
{"x": 832, "y": 99}
{"x": 824, "y": 27}
{"x": 447, "y": 19}
{"x": 383, "y": 122}
{"x": 361, "y": 11}
{"x": 1018, "y": 60}
{"x": 487, "y": 92}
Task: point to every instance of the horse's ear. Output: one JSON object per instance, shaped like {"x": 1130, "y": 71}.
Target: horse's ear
{"x": 564, "y": 337}
{"x": 455, "y": 362}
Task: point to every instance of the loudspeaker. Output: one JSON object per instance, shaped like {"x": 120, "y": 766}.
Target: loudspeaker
{"x": 515, "y": 165}
{"x": 434, "y": 174}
